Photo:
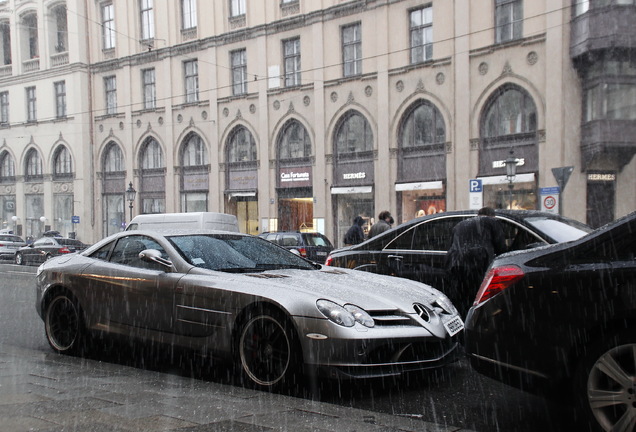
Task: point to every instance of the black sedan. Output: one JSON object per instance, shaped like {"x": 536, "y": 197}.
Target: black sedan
{"x": 45, "y": 248}
{"x": 562, "y": 320}
{"x": 417, "y": 249}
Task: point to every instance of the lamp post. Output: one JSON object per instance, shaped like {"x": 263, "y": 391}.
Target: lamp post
{"x": 511, "y": 173}
{"x": 15, "y": 224}
{"x": 131, "y": 193}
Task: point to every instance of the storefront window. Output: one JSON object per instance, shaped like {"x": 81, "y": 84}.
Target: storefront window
{"x": 195, "y": 178}
{"x": 34, "y": 227}
{"x": 348, "y": 207}
{"x": 62, "y": 214}
{"x": 153, "y": 195}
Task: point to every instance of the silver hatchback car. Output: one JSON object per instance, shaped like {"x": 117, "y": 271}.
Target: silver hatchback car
{"x": 10, "y": 243}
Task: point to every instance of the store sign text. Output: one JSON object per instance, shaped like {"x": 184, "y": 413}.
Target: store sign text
{"x": 502, "y": 163}
{"x": 294, "y": 177}
{"x": 354, "y": 176}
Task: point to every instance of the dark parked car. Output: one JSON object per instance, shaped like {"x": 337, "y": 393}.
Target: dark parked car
{"x": 311, "y": 245}
{"x": 417, "y": 249}
{"x": 240, "y": 298}
{"x": 10, "y": 243}
{"x": 46, "y": 247}
{"x": 562, "y": 318}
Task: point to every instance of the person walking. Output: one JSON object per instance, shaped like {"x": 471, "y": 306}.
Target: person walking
{"x": 384, "y": 223}
{"x": 355, "y": 234}
{"x": 475, "y": 242}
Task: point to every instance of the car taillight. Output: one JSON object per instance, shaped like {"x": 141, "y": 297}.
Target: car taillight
{"x": 302, "y": 252}
{"x": 328, "y": 260}
{"x": 497, "y": 280}
{"x": 64, "y": 250}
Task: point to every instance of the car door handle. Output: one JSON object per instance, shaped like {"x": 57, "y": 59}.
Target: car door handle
{"x": 396, "y": 257}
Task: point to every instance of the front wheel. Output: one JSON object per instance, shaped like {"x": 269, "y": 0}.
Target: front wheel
{"x": 605, "y": 386}
{"x": 19, "y": 259}
{"x": 63, "y": 324}
{"x": 267, "y": 351}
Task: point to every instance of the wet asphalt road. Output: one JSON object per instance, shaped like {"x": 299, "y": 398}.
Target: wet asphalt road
{"x": 452, "y": 396}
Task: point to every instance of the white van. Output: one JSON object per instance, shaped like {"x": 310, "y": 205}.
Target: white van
{"x": 166, "y": 221}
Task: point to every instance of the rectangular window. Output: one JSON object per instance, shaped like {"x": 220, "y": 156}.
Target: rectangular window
{"x": 4, "y": 108}
{"x": 191, "y": 75}
{"x": 508, "y": 20}
{"x": 189, "y": 14}
{"x": 110, "y": 93}
{"x": 239, "y": 71}
{"x": 108, "y": 26}
{"x": 237, "y": 7}
{"x": 32, "y": 114}
{"x": 60, "y": 99}
{"x": 620, "y": 102}
{"x": 421, "y": 34}
{"x": 352, "y": 50}
{"x": 150, "y": 91}
{"x": 5, "y": 34}
{"x": 581, "y": 6}
{"x": 291, "y": 60}
{"x": 147, "y": 19}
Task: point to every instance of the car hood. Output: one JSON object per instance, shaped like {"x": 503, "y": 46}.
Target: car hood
{"x": 369, "y": 291}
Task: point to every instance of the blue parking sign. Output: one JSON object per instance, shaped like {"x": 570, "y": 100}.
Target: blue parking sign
{"x": 475, "y": 185}
{"x": 75, "y": 219}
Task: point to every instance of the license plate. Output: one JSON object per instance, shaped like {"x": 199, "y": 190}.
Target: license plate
{"x": 321, "y": 253}
{"x": 454, "y": 326}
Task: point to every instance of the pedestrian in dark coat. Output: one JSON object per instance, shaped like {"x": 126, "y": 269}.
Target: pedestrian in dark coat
{"x": 475, "y": 242}
{"x": 355, "y": 234}
{"x": 384, "y": 223}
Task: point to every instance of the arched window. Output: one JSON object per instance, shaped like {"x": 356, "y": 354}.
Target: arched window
{"x": 353, "y": 134}
{"x": 7, "y": 167}
{"x": 62, "y": 163}
{"x": 241, "y": 147}
{"x": 152, "y": 156}
{"x": 33, "y": 168}
{"x": 29, "y": 29}
{"x": 423, "y": 127}
{"x": 113, "y": 159}
{"x": 294, "y": 142}
{"x": 194, "y": 152}
{"x": 511, "y": 112}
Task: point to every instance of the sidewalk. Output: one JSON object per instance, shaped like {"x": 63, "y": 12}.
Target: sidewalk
{"x": 45, "y": 392}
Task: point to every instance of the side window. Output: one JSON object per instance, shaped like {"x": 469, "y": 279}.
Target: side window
{"x": 435, "y": 235}
{"x": 517, "y": 237}
{"x": 102, "y": 253}
{"x": 127, "y": 251}
{"x": 288, "y": 240}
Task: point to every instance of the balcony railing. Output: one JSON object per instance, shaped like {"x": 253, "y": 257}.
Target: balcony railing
{"x": 31, "y": 65}
{"x": 5, "y": 70}
{"x": 59, "y": 59}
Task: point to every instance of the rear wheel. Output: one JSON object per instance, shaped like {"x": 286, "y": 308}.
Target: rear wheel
{"x": 19, "y": 259}
{"x": 605, "y": 385}
{"x": 268, "y": 354}
{"x": 64, "y": 325}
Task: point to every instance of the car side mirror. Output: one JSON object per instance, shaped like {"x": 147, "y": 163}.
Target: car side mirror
{"x": 154, "y": 256}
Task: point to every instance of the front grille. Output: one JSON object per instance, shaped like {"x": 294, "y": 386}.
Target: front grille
{"x": 409, "y": 352}
{"x": 390, "y": 318}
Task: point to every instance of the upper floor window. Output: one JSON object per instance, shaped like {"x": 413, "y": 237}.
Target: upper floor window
{"x": 4, "y": 108}
{"x": 33, "y": 164}
{"x": 149, "y": 87}
{"x": 508, "y": 20}
{"x": 294, "y": 142}
{"x": 511, "y": 111}
{"x": 352, "y": 50}
{"x": 291, "y": 58}
{"x": 32, "y": 113}
{"x": 242, "y": 147}
{"x": 194, "y": 152}
{"x": 423, "y": 127}
{"x": 238, "y": 60}
{"x": 188, "y": 14}
{"x": 5, "y": 44}
{"x": 610, "y": 101}
{"x": 353, "y": 134}
{"x": 62, "y": 163}
{"x": 61, "y": 29}
{"x": 147, "y": 19}
{"x": 110, "y": 94}
{"x": 7, "y": 167}
{"x": 60, "y": 99}
{"x": 581, "y": 6}
{"x": 152, "y": 156}
{"x": 29, "y": 31}
{"x": 113, "y": 159}
{"x": 191, "y": 78}
{"x": 108, "y": 26}
{"x": 237, "y": 7}
{"x": 421, "y": 34}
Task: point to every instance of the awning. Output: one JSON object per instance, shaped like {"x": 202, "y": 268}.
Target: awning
{"x": 503, "y": 180}
{"x": 241, "y": 194}
{"x": 351, "y": 190}
{"x": 399, "y": 187}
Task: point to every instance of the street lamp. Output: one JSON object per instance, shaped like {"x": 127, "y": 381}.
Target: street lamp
{"x": 15, "y": 224}
{"x": 511, "y": 172}
{"x": 131, "y": 193}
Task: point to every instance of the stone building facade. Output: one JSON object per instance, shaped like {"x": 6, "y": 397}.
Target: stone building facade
{"x": 296, "y": 114}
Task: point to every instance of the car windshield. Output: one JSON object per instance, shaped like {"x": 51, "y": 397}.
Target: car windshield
{"x": 559, "y": 230}
{"x": 234, "y": 253}
{"x": 316, "y": 240}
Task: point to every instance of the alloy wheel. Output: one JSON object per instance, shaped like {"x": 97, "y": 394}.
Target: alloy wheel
{"x": 63, "y": 324}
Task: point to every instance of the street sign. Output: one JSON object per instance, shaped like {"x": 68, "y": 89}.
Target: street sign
{"x": 475, "y": 194}
{"x": 550, "y": 199}
{"x": 562, "y": 175}
{"x": 75, "y": 219}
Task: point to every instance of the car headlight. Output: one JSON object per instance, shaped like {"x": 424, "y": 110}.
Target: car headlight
{"x": 345, "y": 316}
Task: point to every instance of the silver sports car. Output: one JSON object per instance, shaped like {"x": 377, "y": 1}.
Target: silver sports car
{"x": 244, "y": 299}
